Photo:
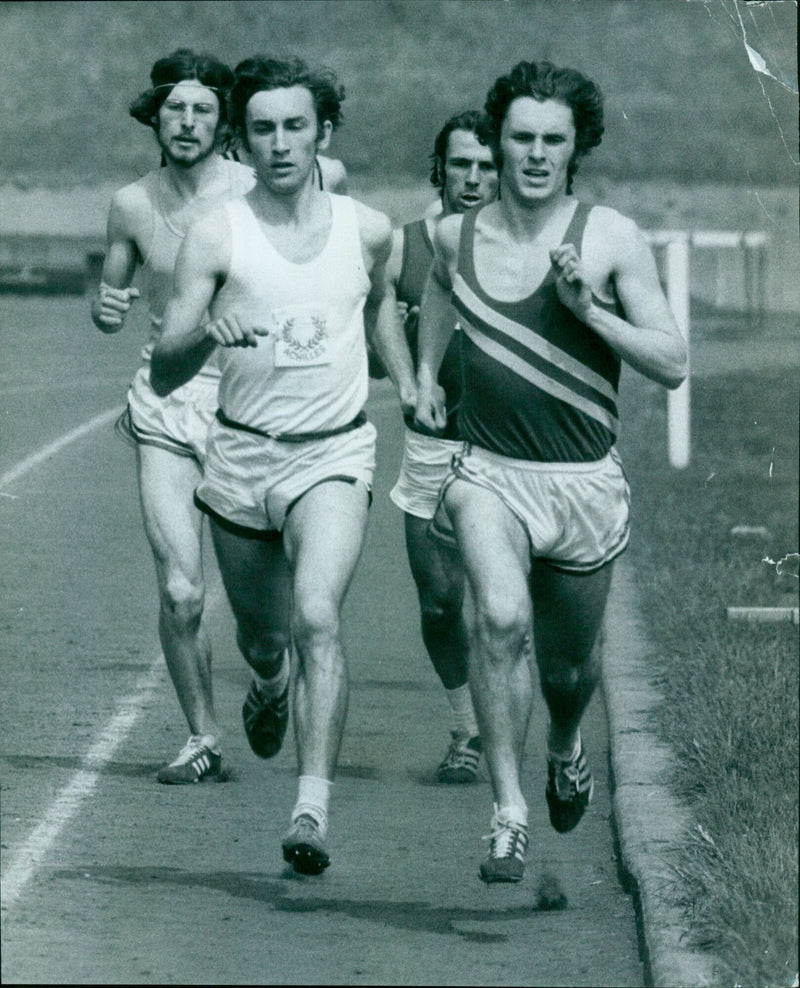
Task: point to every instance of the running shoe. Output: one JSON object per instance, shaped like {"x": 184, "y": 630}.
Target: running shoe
{"x": 569, "y": 790}
{"x": 304, "y": 848}
{"x": 460, "y": 764}
{"x": 265, "y": 720}
{"x": 505, "y": 861}
{"x": 196, "y": 762}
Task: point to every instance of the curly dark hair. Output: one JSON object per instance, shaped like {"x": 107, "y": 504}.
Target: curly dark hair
{"x": 183, "y": 64}
{"x": 470, "y": 120}
{"x": 543, "y": 80}
{"x": 261, "y": 73}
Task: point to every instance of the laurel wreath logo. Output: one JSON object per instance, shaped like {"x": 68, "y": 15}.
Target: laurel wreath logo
{"x": 309, "y": 350}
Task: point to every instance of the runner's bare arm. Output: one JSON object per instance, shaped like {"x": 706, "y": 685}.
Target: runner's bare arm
{"x": 186, "y": 342}
{"x": 649, "y": 339}
{"x": 115, "y": 296}
{"x": 376, "y": 246}
{"x": 375, "y": 232}
{"x": 389, "y": 339}
{"x": 436, "y": 324}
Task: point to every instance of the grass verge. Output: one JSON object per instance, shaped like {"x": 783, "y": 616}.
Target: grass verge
{"x": 730, "y": 690}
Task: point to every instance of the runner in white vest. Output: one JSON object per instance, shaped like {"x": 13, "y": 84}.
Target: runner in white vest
{"x": 288, "y": 274}
{"x": 186, "y": 107}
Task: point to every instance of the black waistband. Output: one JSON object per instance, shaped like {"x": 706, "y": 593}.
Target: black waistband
{"x": 293, "y": 437}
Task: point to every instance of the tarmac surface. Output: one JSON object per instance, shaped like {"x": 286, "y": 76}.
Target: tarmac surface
{"x": 108, "y": 877}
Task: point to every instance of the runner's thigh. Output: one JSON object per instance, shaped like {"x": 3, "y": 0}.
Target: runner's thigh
{"x": 324, "y": 535}
{"x": 256, "y": 578}
{"x": 494, "y": 547}
{"x": 437, "y": 568}
{"x": 568, "y": 610}
{"x": 172, "y": 522}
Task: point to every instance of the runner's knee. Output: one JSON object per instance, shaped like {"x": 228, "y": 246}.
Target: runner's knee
{"x": 260, "y": 644}
{"x": 502, "y": 622}
{"x": 182, "y": 600}
{"x": 441, "y": 605}
{"x": 565, "y": 679}
{"x": 315, "y": 622}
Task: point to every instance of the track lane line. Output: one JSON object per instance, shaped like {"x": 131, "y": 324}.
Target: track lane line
{"x": 29, "y": 858}
{"x": 29, "y": 462}
{"x": 26, "y": 465}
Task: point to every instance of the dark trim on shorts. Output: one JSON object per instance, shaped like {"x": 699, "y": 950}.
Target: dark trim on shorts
{"x": 586, "y": 569}
{"x": 261, "y": 535}
{"x": 325, "y": 480}
{"x": 292, "y": 437}
{"x": 134, "y": 436}
{"x": 447, "y": 537}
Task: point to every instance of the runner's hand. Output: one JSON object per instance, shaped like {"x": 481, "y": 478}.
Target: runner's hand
{"x": 572, "y": 283}
{"x": 430, "y": 410}
{"x": 230, "y": 331}
{"x": 112, "y": 304}
{"x": 409, "y": 315}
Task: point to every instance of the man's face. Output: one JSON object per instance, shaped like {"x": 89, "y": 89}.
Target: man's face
{"x": 284, "y": 137}
{"x": 537, "y": 142}
{"x": 470, "y": 174}
{"x": 187, "y": 123}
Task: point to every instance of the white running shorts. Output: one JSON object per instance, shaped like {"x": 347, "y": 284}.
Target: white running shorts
{"x": 426, "y": 463}
{"x": 178, "y": 423}
{"x": 576, "y": 515}
{"x": 251, "y": 482}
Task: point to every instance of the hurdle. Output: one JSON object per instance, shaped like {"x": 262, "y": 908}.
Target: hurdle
{"x": 678, "y": 245}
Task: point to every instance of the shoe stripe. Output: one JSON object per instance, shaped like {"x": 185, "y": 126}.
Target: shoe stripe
{"x": 462, "y": 760}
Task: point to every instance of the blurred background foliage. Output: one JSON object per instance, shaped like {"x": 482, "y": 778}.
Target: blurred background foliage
{"x": 683, "y": 100}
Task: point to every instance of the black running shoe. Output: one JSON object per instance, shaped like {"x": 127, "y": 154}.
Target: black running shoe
{"x": 460, "y": 764}
{"x": 304, "y": 847}
{"x": 265, "y": 720}
{"x": 569, "y": 790}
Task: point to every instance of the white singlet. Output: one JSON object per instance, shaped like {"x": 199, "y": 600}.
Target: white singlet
{"x": 309, "y": 374}
{"x": 166, "y": 237}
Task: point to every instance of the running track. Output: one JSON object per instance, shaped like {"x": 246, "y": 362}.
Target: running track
{"x": 108, "y": 877}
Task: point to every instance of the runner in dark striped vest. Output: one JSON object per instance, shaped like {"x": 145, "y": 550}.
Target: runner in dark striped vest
{"x": 551, "y": 295}
{"x": 465, "y": 173}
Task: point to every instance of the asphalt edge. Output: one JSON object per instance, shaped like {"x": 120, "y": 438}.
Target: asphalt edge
{"x": 649, "y": 820}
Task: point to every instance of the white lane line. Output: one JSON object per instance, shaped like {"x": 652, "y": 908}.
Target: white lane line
{"x": 24, "y": 466}
{"x": 29, "y": 857}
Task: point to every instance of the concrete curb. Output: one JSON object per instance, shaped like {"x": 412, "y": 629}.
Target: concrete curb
{"x": 649, "y": 820}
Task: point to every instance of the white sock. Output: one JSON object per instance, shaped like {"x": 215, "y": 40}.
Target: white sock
{"x": 511, "y": 814}
{"x": 462, "y": 713}
{"x": 275, "y": 685}
{"x": 209, "y": 740}
{"x": 313, "y": 797}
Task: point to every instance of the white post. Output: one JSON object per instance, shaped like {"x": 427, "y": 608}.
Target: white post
{"x": 678, "y": 407}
